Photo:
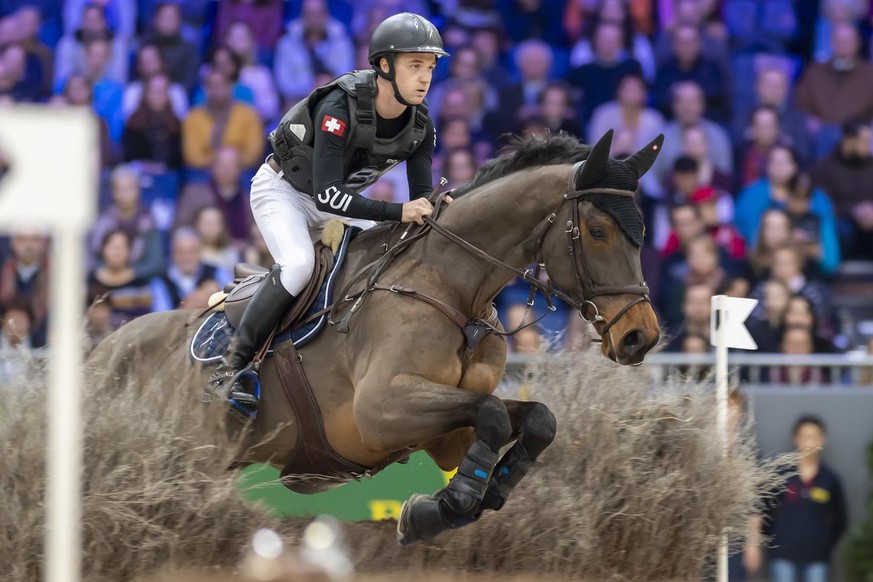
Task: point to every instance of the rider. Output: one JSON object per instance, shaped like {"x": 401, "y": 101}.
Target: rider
{"x": 327, "y": 148}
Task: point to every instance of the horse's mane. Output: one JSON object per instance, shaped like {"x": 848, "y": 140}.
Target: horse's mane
{"x": 527, "y": 152}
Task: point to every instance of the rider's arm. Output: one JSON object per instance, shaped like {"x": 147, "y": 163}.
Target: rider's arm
{"x": 419, "y": 166}
{"x": 330, "y": 123}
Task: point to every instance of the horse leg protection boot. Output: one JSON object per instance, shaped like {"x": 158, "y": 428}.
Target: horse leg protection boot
{"x": 537, "y": 431}
{"x": 512, "y": 467}
{"x": 423, "y": 516}
{"x": 267, "y": 305}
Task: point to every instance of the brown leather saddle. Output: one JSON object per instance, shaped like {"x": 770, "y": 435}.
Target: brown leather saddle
{"x": 248, "y": 277}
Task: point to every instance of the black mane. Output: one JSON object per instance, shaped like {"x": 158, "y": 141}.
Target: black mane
{"x": 521, "y": 153}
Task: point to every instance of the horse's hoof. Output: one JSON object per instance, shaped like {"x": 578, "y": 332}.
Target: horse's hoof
{"x": 419, "y": 520}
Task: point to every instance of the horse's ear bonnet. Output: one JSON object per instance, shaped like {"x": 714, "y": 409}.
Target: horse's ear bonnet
{"x": 599, "y": 171}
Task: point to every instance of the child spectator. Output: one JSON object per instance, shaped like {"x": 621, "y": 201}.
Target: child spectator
{"x": 807, "y": 519}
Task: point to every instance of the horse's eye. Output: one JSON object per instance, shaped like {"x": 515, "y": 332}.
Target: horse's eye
{"x": 597, "y": 233}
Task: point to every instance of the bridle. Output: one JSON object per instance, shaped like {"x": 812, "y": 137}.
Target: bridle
{"x": 584, "y": 284}
{"x": 585, "y": 287}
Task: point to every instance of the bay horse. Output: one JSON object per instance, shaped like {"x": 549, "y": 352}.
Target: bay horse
{"x": 404, "y": 376}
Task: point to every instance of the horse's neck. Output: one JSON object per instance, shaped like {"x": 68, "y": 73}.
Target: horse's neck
{"x": 500, "y": 218}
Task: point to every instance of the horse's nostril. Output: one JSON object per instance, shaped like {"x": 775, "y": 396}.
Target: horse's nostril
{"x": 633, "y": 342}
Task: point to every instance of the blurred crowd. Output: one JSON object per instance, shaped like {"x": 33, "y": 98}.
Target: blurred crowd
{"x": 764, "y": 187}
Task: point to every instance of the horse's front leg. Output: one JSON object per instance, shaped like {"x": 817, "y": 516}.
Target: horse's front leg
{"x": 536, "y": 427}
{"x": 416, "y": 410}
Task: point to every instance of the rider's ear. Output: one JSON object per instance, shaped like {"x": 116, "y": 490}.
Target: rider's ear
{"x": 641, "y": 161}
{"x": 595, "y": 164}
{"x": 383, "y": 64}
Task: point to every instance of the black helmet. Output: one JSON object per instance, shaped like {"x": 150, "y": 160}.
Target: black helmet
{"x": 405, "y": 33}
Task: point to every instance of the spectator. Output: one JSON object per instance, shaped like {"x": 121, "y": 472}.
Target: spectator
{"x": 722, "y": 232}
{"x": 800, "y": 313}
{"x": 187, "y": 279}
{"x": 221, "y": 121}
{"x": 25, "y": 275}
{"x": 627, "y": 114}
{"x": 689, "y": 64}
{"x": 180, "y": 56}
{"x": 636, "y": 43}
{"x": 797, "y": 341}
{"x": 153, "y": 134}
{"x": 704, "y": 264}
{"x": 533, "y": 59}
{"x": 150, "y": 63}
{"x": 695, "y": 143}
{"x": 466, "y": 68}
{"x": 16, "y": 324}
{"x": 18, "y": 78}
{"x": 783, "y": 180}
{"x": 217, "y": 249}
{"x": 226, "y": 61}
{"x": 688, "y": 225}
{"x": 713, "y": 35}
{"x": 70, "y": 52}
{"x": 772, "y": 88}
{"x": 688, "y": 109}
{"x": 108, "y": 92}
{"x": 835, "y": 92}
{"x": 846, "y": 174}
{"x": 524, "y": 20}
{"x": 240, "y": 39}
{"x": 600, "y": 78}
{"x": 787, "y": 267}
{"x": 774, "y": 232}
{"x": 557, "y": 110}
{"x": 459, "y": 167}
{"x": 28, "y": 20}
{"x": 767, "y": 323}
{"x": 120, "y": 14}
{"x": 313, "y": 43}
{"x": 127, "y": 295}
{"x": 693, "y": 319}
{"x": 487, "y": 42}
{"x": 816, "y": 234}
{"x": 127, "y": 215}
{"x": 762, "y": 134}
{"x": 262, "y": 18}
{"x": 224, "y": 190}
{"x": 807, "y": 518}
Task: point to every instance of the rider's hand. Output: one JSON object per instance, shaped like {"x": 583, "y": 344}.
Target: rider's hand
{"x": 416, "y": 210}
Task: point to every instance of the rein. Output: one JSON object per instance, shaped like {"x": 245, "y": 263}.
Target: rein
{"x": 584, "y": 284}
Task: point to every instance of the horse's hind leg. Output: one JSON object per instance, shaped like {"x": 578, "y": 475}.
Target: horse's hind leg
{"x": 536, "y": 430}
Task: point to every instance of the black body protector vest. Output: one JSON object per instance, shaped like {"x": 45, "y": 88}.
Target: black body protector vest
{"x": 292, "y": 140}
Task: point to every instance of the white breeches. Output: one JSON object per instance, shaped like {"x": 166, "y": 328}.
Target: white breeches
{"x": 290, "y": 223}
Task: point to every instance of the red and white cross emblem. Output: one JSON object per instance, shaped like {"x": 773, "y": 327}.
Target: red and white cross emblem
{"x": 333, "y": 125}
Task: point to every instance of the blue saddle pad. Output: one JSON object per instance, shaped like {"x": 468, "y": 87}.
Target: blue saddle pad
{"x": 213, "y": 336}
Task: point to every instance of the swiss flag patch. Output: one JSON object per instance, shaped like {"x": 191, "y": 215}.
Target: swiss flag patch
{"x": 333, "y": 125}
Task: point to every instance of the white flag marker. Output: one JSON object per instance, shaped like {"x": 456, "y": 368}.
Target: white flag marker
{"x": 731, "y": 332}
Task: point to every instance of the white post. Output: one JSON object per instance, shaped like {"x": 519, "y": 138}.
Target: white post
{"x": 62, "y": 198}
{"x": 721, "y": 395}
{"x": 64, "y": 491}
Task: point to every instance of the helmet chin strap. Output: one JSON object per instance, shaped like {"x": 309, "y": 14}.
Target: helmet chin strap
{"x": 392, "y": 78}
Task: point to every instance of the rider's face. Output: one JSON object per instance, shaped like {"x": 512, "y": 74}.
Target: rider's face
{"x": 413, "y": 72}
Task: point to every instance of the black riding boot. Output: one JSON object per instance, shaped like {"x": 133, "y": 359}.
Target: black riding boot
{"x": 267, "y": 305}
